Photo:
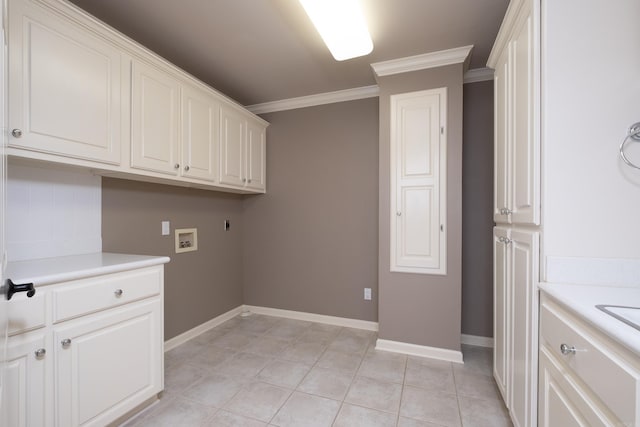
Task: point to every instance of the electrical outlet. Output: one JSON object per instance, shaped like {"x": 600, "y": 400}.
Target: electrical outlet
{"x": 367, "y": 294}
{"x": 227, "y": 225}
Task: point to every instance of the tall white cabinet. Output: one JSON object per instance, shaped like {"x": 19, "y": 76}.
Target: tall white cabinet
{"x": 418, "y": 182}
{"x": 516, "y": 59}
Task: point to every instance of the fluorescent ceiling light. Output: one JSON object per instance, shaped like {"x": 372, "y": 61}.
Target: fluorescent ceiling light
{"x": 341, "y": 25}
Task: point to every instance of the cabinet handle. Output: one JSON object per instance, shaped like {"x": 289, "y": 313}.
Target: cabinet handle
{"x": 504, "y": 240}
{"x": 398, "y": 213}
{"x": 505, "y": 211}
{"x": 176, "y": 166}
{"x": 244, "y": 179}
{"x": 249, "y": 179}
{"x": 186, "y": 168}
{"x": 566, "y": 350}
{"x": 66, "y": 342}
{"x": 17, "y": 133}
{"x": 40, "y": 353}
{"x": 118, "y": 292}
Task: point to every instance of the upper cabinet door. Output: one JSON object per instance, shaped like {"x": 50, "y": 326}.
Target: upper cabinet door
{"x": 256, "y": 156}
{"x": 200, "y": 133}
{"x": 65, "y": 93}
{"x": 232, "y": 147}
{"x": 154, "y": 119}
{"x": 517, "y": 124}
{"x": 501, "y": 146}
{"x": 525, "y": 147}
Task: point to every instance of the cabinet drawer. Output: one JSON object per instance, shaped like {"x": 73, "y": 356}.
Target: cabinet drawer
{"x": 26, "y": 314}
{"x": 91, "y": 295}
{"x": 612, "y": 379}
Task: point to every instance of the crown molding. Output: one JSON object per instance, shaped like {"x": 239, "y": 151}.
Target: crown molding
{"x": 478, "y": 75}
{"x": 506, "y": 28}
{"x": 317, "y": 99}
{"x": 421, "y": 62}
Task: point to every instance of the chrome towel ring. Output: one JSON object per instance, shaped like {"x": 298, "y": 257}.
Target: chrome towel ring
{"x": 633, "y": 134}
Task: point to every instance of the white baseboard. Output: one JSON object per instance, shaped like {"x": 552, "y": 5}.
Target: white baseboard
{"x": 476, "y": 340}
{"x": 419, "y": 350}
{"x": 204, "y": 327}
{"x": 312, "y": 317}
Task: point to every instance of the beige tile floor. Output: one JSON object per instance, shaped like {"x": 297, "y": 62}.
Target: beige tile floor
{"x": 269, "y": 371}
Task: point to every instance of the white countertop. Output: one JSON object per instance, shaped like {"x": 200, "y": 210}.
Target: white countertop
{"x": 61, "y": 269}
{"x": 582, "y": 300}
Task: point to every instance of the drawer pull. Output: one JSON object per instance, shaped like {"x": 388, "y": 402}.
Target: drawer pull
{"x": 566, "y": 350}
{"x": 40, "y": 353}
{"x": 66, "y": 342}
{"x": 118, "y": 292}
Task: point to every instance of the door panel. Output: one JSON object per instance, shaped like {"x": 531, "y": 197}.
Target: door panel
{"x": 501, "y": 149}
{"x": 256, "y": 153}
{"x": 66, "y": 87}
{"x": 501, "y": 311}
{"x": 418, "y": 182}
{"x": 200, "y": 133}
{"x": 154, "y": 120}
{"x": 232, "y": 129}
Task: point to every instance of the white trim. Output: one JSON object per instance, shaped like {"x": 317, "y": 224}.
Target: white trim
{"x": 312, "y": 317}
{"x": 422, "y": 62}
{"x": 476, "y": 340}
{"x": 204, "y": 327}
{"x": 478, "y": 75}
{"x": 419, "y": 350}
{"x": 317, "y": 99}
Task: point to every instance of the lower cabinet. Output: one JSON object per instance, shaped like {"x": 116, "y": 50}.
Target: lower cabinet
{"x": 516, "y": 321}
{"x": 108, "y": 365}
{"x": 585, "y": 378}
{"x": 95, "y": 367}
{"x": 29, "y": 381}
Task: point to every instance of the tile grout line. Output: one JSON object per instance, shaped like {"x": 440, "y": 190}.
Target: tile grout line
{"x": 404, "y": 380}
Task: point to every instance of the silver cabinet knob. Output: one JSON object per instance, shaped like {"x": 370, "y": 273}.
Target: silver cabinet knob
{"x": 244, "y": 179}
{"x": 567, "y": 350}
{"x": 176, "y": 166}
{"x": 398, "y": 213}
{"x": 505, "y": 211}
{"x": 40, "y": 353}
{"x": 249, "y": 180}
{"x": 118, "y": 292}
{"x": 66, "y": 342}
{"x": 186, "y": 168}
{"x": 17, "y": 133}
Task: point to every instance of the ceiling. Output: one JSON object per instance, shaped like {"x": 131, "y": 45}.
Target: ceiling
{"x": 266, "y": 50}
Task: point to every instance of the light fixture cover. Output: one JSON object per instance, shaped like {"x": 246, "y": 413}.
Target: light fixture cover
{"x": 341, "y": 25}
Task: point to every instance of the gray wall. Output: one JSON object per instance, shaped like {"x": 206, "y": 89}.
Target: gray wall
{"x": 198, "y": 285}
{"x": 417, "y": 308}
{"x": 310, "y": 243}
{"x": 477, "y": 210}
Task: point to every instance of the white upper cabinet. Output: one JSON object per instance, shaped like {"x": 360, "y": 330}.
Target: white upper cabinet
{"x": 418, "y": 182}
{"x": 517, "y": 140}
{"x": 242, "y": 150}
{"x": 256, "y": 155}
{"x": 81, "y": 94}
{"x": 155, "y": 114}
{"x": 64, "y": 87}
{"x": 200, "y": 133}
{"x": 232, "y": 147}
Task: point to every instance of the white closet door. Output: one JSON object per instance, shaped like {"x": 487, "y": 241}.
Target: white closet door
{"x": 418, "y": 182}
